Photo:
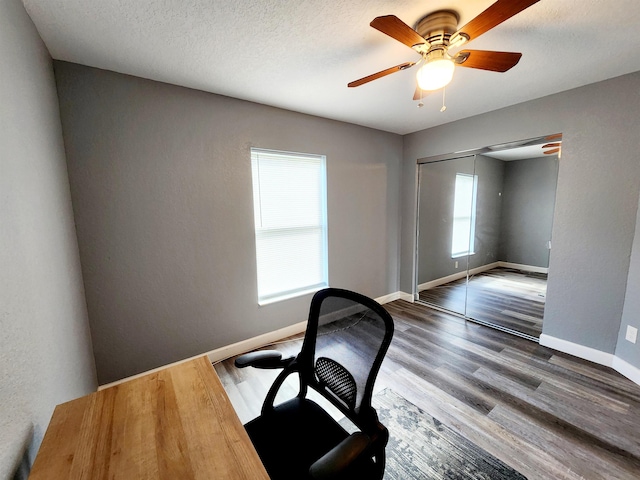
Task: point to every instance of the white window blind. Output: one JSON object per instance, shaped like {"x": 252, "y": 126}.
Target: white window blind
{"x": 289, "y": 203}
{"x": 464, "y": 215}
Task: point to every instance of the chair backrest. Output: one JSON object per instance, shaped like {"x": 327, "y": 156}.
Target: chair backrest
{"x": 346, "y": 340}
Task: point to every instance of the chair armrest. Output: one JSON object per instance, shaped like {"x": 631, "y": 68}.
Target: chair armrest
{"x": 340, "y": 457}
{"x": 262, "y": 359}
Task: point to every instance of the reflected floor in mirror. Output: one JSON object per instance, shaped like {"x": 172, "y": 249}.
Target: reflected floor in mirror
{"x": 505, "y": 297}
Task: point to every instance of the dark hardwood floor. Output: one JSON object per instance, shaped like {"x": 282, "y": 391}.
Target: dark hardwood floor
{"x": 506, "y": 297}
{"x": 547, "y": 414}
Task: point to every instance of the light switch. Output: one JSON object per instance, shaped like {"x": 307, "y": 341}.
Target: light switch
{"x": 632, "y": 334}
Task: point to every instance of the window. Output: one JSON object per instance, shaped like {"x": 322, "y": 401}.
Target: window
{"x": 464, "y": 215}
{"x": 290, "y": 210}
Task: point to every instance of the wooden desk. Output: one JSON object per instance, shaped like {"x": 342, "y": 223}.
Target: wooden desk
{"x": 175, "y": 424}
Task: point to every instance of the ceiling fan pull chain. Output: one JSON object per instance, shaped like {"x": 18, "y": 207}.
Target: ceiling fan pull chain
{"x": 420, "y": 104}
{"x": 444, "y": 107}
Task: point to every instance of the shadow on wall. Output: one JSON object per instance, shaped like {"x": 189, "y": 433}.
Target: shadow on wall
{"x": 16, "y": 458}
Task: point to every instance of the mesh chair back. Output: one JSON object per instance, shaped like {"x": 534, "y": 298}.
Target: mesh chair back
{"x": 347, "y": 337}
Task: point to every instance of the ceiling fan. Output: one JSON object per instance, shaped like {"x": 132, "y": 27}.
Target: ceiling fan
{"x": 552, "y": 148}
{"x": 437, "y": 33}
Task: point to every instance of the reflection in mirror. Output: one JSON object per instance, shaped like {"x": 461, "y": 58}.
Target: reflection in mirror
{"x": 502, "y": 199}
{"x": 442, "y": 263}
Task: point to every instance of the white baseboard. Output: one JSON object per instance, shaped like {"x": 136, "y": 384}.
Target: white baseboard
{"x": 441, "y": 281}
{"x": 394, "y": 296}
{"x": 593, "y": 355}
{"x": 626, "y": 369}
{"x": 580, "y": 351}
{"x": 249, "y": 344}
{"x": 524, "y": 268}
{"x": 456, "y": 276}
{"x": 407, "y": 297}
{"x": 483, "y": 268}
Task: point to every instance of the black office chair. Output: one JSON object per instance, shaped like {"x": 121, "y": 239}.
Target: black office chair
{"x": 346, "y": 339}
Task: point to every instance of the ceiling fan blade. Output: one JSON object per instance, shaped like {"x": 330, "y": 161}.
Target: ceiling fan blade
{"x": 488, "y": 60}
{"x": 381, "y": 74}
{"x": 552, "y": 151}
{"x": 551, "y": 145}
{"x": 398, "y": 30}
{"x": 555, "y": 136}
{"x": 419, "y": 94}
{"x": 494, "y": 15}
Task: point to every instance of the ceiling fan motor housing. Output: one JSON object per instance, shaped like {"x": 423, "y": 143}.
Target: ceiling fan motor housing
{"x": 437, "y": 27}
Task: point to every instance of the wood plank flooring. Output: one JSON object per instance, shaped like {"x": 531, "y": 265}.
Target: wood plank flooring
{"x": 505, "y": 297}
{"x": 547, "y": 414}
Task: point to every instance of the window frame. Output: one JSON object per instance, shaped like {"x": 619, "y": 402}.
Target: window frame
{"x": 472, "y": 217}
{"x": 261, "y": 232}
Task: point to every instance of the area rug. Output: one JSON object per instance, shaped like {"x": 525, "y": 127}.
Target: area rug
{"x": 421, "y": 447}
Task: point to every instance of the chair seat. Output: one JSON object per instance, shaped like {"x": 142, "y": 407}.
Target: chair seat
{"x": 293, "y": 436}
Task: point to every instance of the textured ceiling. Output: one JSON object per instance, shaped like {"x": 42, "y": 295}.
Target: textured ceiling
{"x": 300, "y": 54}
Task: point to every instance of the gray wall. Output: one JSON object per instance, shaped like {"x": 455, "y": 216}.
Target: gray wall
{"x": 596, "y": 201}
{"x": 489, "y": 203}
{"x": 161, "y": 185}
{"x": 437, "y": 185}
{"x": 626, "y": 350}
{"x": 528, "y": 199}
{"x": 45, "y": 351}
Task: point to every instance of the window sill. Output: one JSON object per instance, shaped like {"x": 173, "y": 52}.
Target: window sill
{"x": 459, "y": 255}
{"x": 288, "y": 296}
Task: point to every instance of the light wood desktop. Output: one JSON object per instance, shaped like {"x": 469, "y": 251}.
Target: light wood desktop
{"x": 176, "y": 423}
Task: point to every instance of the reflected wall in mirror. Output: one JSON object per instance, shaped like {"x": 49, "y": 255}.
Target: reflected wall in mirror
{"x": 484, "y": 232}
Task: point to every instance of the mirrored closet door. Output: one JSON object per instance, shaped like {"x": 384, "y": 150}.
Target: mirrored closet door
{"x": 484, "y": 233}
{"x": 445, "y": 207}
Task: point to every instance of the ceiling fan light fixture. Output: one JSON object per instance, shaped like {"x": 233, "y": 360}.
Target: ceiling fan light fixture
{"x": 435, "y": 74}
